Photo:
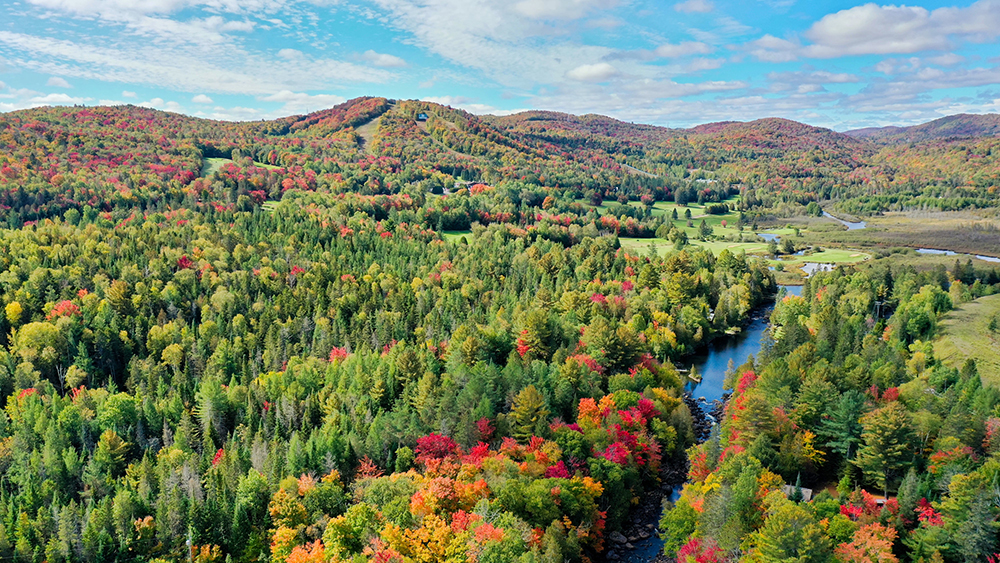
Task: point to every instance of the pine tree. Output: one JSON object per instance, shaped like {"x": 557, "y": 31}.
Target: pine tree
{"x": 790, "y": 533}
{"x": 888, "y": 444}
{"x": 978, "y": 532}
{"x": 530, "y": 414}
{"x": 842, "y": 430}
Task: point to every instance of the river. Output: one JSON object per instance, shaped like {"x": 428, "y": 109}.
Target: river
{"x": 712, "y": 364}
{"x": 953, "y": 253}
{"x": 851, "y": 226}
{"x": 714, "y": 361}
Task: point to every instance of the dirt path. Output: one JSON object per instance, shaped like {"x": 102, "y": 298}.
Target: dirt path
{"x": 635, "y": 170}
{"x": 367, "y": 134}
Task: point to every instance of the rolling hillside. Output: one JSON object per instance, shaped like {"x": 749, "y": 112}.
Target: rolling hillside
{"x": 59, "y": 158}
{"x": 951, "y": 127}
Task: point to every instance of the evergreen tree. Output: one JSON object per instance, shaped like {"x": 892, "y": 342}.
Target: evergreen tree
{"x": 530, "y": 414}
{"x": 887, "y": 447}
{"x": 790, "y": 533}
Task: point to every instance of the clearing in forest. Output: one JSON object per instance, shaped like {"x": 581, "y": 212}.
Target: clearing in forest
{"x": 211, "y": 165}
{"x": 367, "y": 133}
{"x": 966, "y": 333}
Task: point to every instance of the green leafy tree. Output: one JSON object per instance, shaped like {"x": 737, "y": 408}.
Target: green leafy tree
{"x": 887, "y": 448}
{"x": 790, "y": 533}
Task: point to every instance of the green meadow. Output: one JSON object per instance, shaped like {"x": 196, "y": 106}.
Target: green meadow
{"x": 965, "y": 333}
{"x": 212, "y": 165}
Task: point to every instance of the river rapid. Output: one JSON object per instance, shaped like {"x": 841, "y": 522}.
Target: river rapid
{"x": 708, "y": 395}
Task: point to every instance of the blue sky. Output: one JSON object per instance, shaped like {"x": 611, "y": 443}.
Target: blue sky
{"x": 834, "y": 64}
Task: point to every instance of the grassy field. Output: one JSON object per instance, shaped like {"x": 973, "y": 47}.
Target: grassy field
{"x": 834, "y": 256}
{"x": 791, "y": 265}
{"x": 455, "y": 236}
{"x": 961, "y": 231}
{"x": 664, "y": 246}
{"x": 665, "y": 207}
{"x": 828, "y": 255}
{"x": 212, "y": 165}
{"x": 697, "y": 210}
{"x": 782, "y": 232}
{"x": 924, "y": 262}
{"x": 965, "y": 334}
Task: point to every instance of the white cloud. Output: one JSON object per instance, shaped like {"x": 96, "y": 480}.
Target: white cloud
{"x": 560, "y": 9}
{"x": 509, "y": 44}
{"x": 202, "y": 99}
{"x": 947, "y": 59}
{"x": 300, "y": 102}
{"x": 230, "y": 69}
{"x": 665, "y": 51}
{"x": 871, "y": 29}
{"x": 470, "y": 105}
{"x": 773, "y": 49}
{"x": 814, "y": 77}
{"x": 291, "y": 54}
{"x": 809, "y": 88}
{"x": 694, "y": 6}
{"x": 237, "y": 113}
{"x": 129, "y": 94}
{"x": 599, "y": 72}
{"x": 898, "y": 66}
{"x": 730, "y": 27}
{"x": 605, "y": 23}
{"x": 682, "y": 49}
{"x": 908, "y": 92}
{"x": 664, "y": 102}
{"x": 197, "y": 46}
{"x": 382, "y": 60}
{"x": 724, "y": 28}
{"x": 454, "y": 101}
{"x": 95, "y": 7}
{"x": 987, "y": 106}
{"x": 698, "y": 65}
{"x": 58, "y": 82}
{"x": 58, "y": 99}
{"x": 159, "y": 103}
{"x": 206, "y": 32}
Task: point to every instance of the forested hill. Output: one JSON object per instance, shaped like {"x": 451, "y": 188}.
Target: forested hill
{"x": 265, "y": 342}
{"x": 258, "y": 343}
{"x": 55, "y": 159}
{"x": 951, "y": 127}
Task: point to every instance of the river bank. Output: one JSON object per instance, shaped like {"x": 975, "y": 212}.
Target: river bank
{"x": 639, "y": 542}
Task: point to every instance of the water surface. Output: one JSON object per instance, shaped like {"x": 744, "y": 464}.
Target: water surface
{"x": 851, "y": 226}
{"x": 940, "y": 252}
{"x": 712, "y": 364}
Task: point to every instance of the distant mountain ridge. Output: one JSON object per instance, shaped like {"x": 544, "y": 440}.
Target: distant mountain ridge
{"x": 56, "y": 158}
{"x": 961, "y": 125}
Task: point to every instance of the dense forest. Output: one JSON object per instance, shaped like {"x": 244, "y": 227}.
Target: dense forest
{"x": 850, "y": 388}
{"x": 55, "y": 159}
{"x": 265, "y": 341}
{"x": 273, "y": 385}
